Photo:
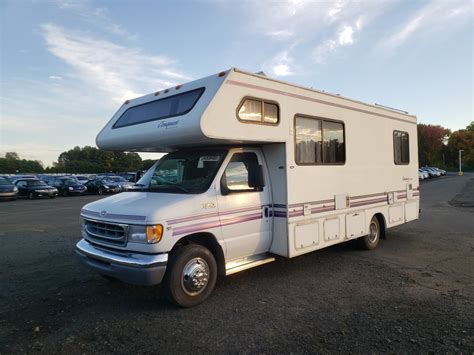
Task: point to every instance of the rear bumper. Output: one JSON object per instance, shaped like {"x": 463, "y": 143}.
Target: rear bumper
{"x": 133, "y": 268}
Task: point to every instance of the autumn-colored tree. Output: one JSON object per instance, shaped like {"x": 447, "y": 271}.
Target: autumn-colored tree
{"x": 462, "y": 139}
{"x": 431, "y": 142}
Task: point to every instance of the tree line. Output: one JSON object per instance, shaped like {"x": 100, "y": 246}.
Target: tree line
{"x": 437, "y": 146}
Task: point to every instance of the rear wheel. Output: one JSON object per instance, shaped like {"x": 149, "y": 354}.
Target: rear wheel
{"x": 191, "y": 275}
{"x": 100, "y": 191}
{"x": 31, "y": 195}
{"x": 64, "y": 193}
{"x": 371, "y": 240}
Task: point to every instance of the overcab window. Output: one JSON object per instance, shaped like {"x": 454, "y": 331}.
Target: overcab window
{"x": 319, "y": 141}
{"x": 401, "y": 148}
{"x": 167, "y": 107}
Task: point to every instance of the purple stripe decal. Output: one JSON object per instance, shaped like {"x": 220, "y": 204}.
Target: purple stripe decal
{"x": 366, "y": 196}
{"x": 369, "y": 202}
{"x": 214, "y": 224}
{"x": 213, "y": 214}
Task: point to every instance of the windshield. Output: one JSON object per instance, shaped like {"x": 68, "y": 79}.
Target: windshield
{"x": 70, "y": 182}
{"x": 107, "y": 181}
{"x": 35, "y": 183}
{"x": 184, "y": 172}
{"x": 4, "y": 181}
{"x": 117, "y": 179}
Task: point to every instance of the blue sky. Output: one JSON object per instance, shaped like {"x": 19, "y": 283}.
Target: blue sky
{"x": 66, "y": 66}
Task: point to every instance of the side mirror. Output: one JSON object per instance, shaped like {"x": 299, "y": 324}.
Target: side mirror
{"x": 256, "y": 179}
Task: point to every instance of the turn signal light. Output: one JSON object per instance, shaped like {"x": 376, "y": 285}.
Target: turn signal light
{"x": 154, "y": 233}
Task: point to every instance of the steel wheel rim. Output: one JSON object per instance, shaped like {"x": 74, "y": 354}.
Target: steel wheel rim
{"x": 195, "y": 276}
{"x": 373, "y": 232}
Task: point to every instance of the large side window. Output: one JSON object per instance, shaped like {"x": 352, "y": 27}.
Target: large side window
{"x": 236, "y": 174}
{"x": 167, "y": 107}
{"x": 319, "y": 141}
{"x": 258, "y": 111}
{"x": 401, "y": 150}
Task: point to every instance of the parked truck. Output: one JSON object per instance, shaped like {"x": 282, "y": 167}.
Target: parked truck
{"x": 255, "y": 168}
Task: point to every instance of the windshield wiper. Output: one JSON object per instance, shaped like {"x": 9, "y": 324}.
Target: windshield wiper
{"x": 165, "y": 187}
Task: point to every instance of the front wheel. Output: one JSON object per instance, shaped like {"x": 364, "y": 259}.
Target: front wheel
{"x": 371, "y": 240}
{"x": 31, "y": 195}
{"x": 101, "y": 191}
{"x": 191, "y": 275}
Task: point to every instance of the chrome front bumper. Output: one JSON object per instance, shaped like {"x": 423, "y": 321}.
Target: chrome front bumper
{"x": 134, "y": 268}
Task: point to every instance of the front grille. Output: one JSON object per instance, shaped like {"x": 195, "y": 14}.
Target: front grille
{"x": 109, "y": 233}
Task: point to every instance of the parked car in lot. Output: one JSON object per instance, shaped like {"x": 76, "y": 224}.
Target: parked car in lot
{"x": 441, "y": 171}
{"x": 81, "y": 178}
{"x": 8, "y": 191}
{"x": 102, "y": 185}
{"x": 33, "y": 188}
{"x": 67, "y": 186}
{"x": 431, "y": 173}
{"x": 124, "y": 184}
{"x": 423, "y": 174}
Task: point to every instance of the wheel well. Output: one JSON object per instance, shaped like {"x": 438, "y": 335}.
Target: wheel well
{"x": 381, "y": 219}
{"x": 209, "y": 241}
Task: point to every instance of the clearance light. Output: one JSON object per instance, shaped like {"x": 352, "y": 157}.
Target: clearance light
{"x": 154, "y": 233}
{"x": 126, "y": 102}
{"x": 166, "y": 91}
{"x": 157, "y": 93}
{"x": 178, "y": 87}
{"x": 222, "y": 73}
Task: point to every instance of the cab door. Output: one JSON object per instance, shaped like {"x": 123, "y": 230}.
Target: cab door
{"x": 244, "y": 210}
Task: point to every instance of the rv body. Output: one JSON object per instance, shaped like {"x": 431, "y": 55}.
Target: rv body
{"x": 272, "y": 169}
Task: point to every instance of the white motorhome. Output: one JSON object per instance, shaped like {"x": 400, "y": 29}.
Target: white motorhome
{"x": 255, "y": 168}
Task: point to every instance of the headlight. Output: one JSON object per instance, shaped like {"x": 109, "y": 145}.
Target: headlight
{"x": 70, "y": 188}
{"x": 15, "y": 189}
{"x": 146, "y": 234}
{"x": 106, "y": 186}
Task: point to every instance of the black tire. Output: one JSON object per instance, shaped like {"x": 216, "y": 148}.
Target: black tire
{"x": 52, "y": 196}
{"x": 371, "y": 240}
{"x": 31, "y": 195}
{"x": 100, "y": 191}
{"x": 64, "y": 193}
{"x": 182, "y": 290}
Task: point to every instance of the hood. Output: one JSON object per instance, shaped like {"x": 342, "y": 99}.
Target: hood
{"x": 149, "y": 207}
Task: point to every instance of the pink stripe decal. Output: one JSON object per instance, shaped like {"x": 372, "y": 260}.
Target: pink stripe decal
{"x": 213, "y": 214}
{"x": 306, "y": 98}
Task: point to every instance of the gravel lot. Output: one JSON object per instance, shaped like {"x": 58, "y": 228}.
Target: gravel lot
{"x": 413, "y": 294}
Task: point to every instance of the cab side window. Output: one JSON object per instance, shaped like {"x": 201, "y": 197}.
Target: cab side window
{"x": 21, "y": 184}
{"x": 236, "y": 175}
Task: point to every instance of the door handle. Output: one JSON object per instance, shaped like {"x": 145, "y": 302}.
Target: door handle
{"x": 266, "y": 211}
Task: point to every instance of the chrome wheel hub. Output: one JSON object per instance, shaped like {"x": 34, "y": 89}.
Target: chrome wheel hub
{"x": 195, "y": 276}
{"x": 373, "y": 232}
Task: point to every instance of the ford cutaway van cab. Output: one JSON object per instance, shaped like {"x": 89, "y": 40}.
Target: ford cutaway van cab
{"x": 254, "y": 168}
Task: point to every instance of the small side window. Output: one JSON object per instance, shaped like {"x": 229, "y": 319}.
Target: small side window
{"x": 236, "y": 174}
{"x": 401, "y": 148}
{"x": 253, "y": 110}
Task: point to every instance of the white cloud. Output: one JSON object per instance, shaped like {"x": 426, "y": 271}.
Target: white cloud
{"x": 55, "y": 77}
{"x": 96, "y": 16}
{"x": 434, "y": 16}
{"x": 280, "y": 65}
{"x": 120, "y": 71}
{"x": 345, "y": 37}
{"x": 280, "y": 34}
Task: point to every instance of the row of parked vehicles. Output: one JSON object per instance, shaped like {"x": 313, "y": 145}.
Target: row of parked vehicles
{"x": 429, "y": 172}
{"x": 50, "y": 186}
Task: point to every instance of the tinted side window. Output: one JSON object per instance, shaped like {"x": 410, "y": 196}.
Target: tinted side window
{"x": 401, "y": 148}
{"x": 334, "y": 149}
{"x": 236, "y": 175}
{"x": 171, "y": 106}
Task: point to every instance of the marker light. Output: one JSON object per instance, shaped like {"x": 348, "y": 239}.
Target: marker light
{"x": 178, "y": 87}
{"x": 166, "y": 91}
{"x": 222, "y": 73}
{"x": 154, "y": 233}
{"x": 126, "y": 102}
{"x": 157, "y": 93}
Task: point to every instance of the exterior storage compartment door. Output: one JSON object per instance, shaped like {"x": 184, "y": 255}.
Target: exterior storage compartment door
{"x": 355, "y": 225}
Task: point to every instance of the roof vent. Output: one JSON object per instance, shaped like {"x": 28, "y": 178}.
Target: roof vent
{"x": 262, "y": 73}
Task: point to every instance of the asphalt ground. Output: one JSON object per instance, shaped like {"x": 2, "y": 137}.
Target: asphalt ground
{"x": 414, "y": 293}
